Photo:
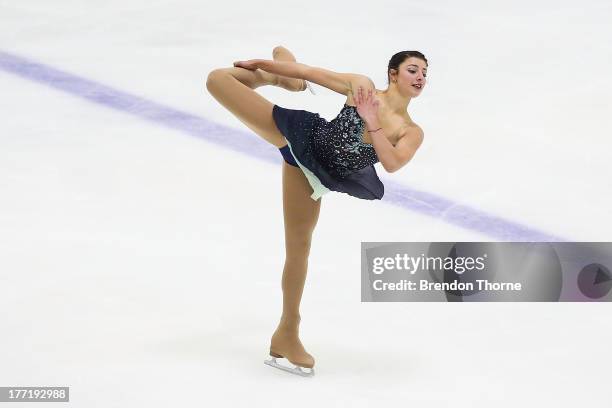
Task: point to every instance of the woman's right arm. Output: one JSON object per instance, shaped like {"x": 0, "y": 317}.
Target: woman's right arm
{"x": 343, "y": 83}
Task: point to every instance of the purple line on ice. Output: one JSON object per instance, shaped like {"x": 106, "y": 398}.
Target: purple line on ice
{"x": 244, "y": 142}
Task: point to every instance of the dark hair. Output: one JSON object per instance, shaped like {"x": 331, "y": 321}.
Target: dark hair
{"x": 397, "y": 59}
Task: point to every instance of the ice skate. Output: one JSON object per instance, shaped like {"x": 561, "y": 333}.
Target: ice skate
{"x": 280, "y": 53}
{"x": 296, "y": 369}
{"x": 285, "y": 343}
{"x": 309, "y": 87}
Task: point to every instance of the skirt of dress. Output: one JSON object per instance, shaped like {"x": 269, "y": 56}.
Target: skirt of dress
{"x": 298, "y": 126}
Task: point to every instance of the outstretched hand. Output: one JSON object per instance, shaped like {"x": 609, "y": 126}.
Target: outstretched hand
{"x": 367, "y": 105}
{"x": 248, "y": 64}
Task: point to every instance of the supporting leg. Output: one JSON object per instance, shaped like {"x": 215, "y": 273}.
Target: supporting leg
{"x": 301, "y": 214}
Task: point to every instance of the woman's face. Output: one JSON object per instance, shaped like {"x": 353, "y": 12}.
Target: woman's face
{"x": 411, "y": 73}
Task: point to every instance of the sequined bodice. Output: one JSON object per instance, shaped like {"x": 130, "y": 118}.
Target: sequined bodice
{"x": 338, "y": 144}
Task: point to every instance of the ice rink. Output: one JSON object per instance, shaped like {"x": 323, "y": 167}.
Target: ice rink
{"x": 141, "y": 223}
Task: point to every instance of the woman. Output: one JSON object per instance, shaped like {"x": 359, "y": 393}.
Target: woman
{"x": 321, "y": 156}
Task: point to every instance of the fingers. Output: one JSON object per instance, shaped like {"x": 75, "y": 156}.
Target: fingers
{"x": 249, "y": 64}
{"x": 360, "y": 95}
{"x": 362, "y": 98}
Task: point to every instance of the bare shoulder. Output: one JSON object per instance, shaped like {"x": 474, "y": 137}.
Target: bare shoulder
{"x": 356, "y": 81}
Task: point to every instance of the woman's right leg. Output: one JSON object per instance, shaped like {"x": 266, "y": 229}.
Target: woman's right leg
{"x": 234, "y": 88}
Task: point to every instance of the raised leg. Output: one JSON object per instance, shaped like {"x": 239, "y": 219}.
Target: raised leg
{"x": 234, "y": 88}
{"x": 281, "y": 53}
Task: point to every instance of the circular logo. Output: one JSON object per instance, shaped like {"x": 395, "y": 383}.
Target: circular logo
{"x": 595, "y": 281}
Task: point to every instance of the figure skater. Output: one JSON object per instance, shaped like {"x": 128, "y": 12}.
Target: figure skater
{"x": 320, "y": 156}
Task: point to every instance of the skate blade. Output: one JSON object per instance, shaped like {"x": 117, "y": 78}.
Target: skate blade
{"x": 310, "y": 88}
{"x": 295, "y": 370}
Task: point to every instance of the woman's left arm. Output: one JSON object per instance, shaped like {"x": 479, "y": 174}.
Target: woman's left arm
{"x": 391, "y": 157}
{"x": 407, "y": 145}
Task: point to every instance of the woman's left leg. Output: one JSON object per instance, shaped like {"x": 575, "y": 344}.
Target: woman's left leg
{"x": 301, "y": 214}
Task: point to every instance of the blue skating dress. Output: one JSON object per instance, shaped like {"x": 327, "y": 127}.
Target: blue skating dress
{"x": 331, "y": 154}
